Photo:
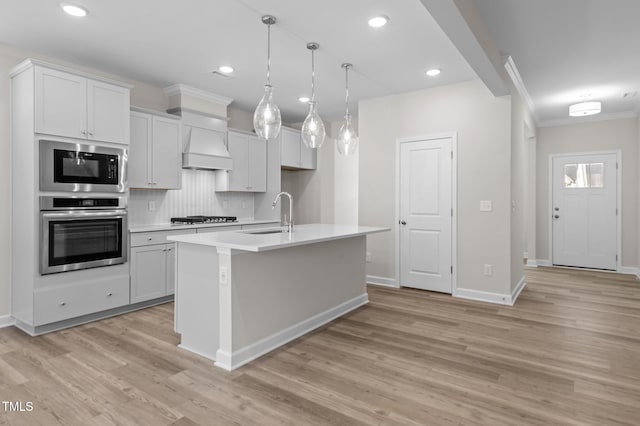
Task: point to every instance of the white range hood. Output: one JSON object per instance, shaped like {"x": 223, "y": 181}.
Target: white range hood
{"x": 203, "y": 141}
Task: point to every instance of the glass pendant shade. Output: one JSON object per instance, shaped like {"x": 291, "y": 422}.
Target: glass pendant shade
{"x": 266, "y": 119}
{"x": 347, "y": 141}
{"x": 313, "y": 132}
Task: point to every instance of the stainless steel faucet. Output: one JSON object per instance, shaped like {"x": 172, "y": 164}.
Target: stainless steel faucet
{"x": 275, "y": 202}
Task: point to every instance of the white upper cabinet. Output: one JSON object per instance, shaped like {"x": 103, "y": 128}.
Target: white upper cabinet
{"x": 249, "y": 174}
{"x": 75, "y": 106}
{"x": 294, "y": 153}
{"x": 155, "y": 153}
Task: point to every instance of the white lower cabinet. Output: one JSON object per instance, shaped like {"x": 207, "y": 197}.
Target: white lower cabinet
{"x": 70, "y": 301}
{"x": 152, "y": 265}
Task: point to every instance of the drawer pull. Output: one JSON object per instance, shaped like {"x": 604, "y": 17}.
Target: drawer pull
{"x": 149, "y": 238}
{"x": 63, "y": 303}
{"x": 109, "y": 294}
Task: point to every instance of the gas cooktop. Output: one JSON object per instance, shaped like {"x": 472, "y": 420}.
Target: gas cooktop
{"x": 203, "y": 219}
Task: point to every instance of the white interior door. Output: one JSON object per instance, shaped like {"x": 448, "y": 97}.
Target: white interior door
{"x": 425, "y": 225}
{"x": 584, "y": 211}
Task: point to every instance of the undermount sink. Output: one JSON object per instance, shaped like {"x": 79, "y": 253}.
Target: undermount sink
{"x": 271, "y": 231}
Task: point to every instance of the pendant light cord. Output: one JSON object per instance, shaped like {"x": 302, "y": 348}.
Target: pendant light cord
{"x": 313, "y": 76}
{"x": 346, "y": 97}
{"x": 269, "y": 54}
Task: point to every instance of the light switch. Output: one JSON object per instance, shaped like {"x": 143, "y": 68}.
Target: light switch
{"x": 223, "y": 275}
{"x": 486, "y": 205}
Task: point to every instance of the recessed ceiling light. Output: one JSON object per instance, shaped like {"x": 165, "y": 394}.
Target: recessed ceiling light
{"x": 303, "y": 99}
{"x": 585, "y": 108}
{"x": 226, "y": 69}
{"x": 378, "y": 21}
{"x": 433, "y": 72}
{"x": 73, "y": 10}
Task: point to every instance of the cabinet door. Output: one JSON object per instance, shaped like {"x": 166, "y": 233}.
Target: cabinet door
{"x": 107, "y": 112}
{"x": 148, "y": 272}
{"x": 166, "y": 158}
{"x": 257, "y": 164}
{"x": 239, "y": 150}
{"x": 139, "y": 163}
{"x": 308, "y": 156}
{"x": 171, "y": 268}
{"x": 61, "y": 103}
{"x": 290, "y": 148}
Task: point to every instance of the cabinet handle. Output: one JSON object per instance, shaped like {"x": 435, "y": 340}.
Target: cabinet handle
{"x": 63, "y": 303}
{"x": 169, "y": 249}
{"x": 90, "y": 134}
{"x": 82, "y": 132}
{"x": 149, "y": 238}
{"x": 109, "y": 294}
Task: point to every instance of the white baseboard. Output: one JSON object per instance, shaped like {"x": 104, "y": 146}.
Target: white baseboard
{"x": 532, "y": 263}
{"x": 249, "y": 353}
{"x": 6, "y": 321}
{"x": 544, "y": 262}
{"x": 516, "y": 291}
{"x": 482, "y": 296}
{"x": 382, "y": 281}
{"x": 629, "y": 270}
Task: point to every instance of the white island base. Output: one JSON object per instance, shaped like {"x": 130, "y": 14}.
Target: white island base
{"x": 239, "y": 296}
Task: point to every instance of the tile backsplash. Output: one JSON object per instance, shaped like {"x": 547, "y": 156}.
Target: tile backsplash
{"x": 197, "y": 197}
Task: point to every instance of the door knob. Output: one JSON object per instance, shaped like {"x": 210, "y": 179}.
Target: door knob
{"x": 402, "y": 222}
{"x": 556, "y": 217}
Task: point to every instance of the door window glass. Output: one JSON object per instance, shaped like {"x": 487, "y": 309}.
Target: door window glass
{"x": 584, "y": 175}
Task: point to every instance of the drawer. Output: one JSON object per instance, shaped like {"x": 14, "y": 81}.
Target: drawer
{"x": 219, "y": 229}
{"x": 156, "y": 237}
{"x": 274, "y": 224}
{"x": 60, "y": 303}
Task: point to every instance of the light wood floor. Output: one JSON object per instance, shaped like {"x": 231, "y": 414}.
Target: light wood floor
{"x": 567, "y": 353}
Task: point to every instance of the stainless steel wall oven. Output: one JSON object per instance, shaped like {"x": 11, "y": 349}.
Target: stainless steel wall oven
{"x": 76, "y": 167}
{"x": 82, "y": 232}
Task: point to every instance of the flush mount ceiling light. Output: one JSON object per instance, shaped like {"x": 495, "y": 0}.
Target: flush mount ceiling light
{"x": 226, "y": 69}
{"x": 378, "y": 21}
{"x": 266, "y": 119}
{"x": 585, "y": 108}
{"x": 304, "y": 99}
{"x": 313, "y": 132}
{"x": 433, "y": 72}
{"x": 74, "y": 10}
{"x": 347, "y": 140}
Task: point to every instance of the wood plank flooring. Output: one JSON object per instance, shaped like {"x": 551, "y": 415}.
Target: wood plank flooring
{"x": 567, "y": 353}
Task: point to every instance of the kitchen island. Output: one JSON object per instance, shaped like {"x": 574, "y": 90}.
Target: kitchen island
{"x": 241, "y": 294}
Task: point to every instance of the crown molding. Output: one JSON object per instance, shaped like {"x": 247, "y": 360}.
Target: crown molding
{"x": 182, "y": 89}
{"x": 588, "y": 119}
{"x": 512, "y": 70}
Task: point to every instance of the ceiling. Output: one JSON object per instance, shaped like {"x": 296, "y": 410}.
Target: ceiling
{"x": 567, "y": 48}
{"x": 563, "y": 49}
{"x": 168, "y": 42}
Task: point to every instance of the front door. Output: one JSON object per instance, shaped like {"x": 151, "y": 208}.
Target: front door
{"x": 584, "y": 211}
{"x": 425, "y": 225}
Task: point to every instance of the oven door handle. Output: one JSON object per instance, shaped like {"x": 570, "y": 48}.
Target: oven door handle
{"x": 84, "y": 214}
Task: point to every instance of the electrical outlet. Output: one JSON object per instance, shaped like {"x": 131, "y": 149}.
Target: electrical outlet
{"x": 223, "y": 275}
{"x": 486, "y": 205}
{"x": 244, "y": 204}
{"x": 369, "y": 256}
{"x": 488, "y": 270}
{"x": 152, "y": 206}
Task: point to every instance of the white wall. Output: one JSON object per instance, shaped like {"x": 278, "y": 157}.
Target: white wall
{"x": 620, "y": 134}
{"x": 484, "y": 155}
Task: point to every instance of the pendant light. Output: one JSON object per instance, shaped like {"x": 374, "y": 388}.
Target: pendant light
{"x": 313, "y": 128}
{"x": 347, "y": 140}
{"x": 266, "y": 118}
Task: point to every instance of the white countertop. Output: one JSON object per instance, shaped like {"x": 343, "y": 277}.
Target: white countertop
{"x": 302, "y": 234}
{"x": 172, "y": 227}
